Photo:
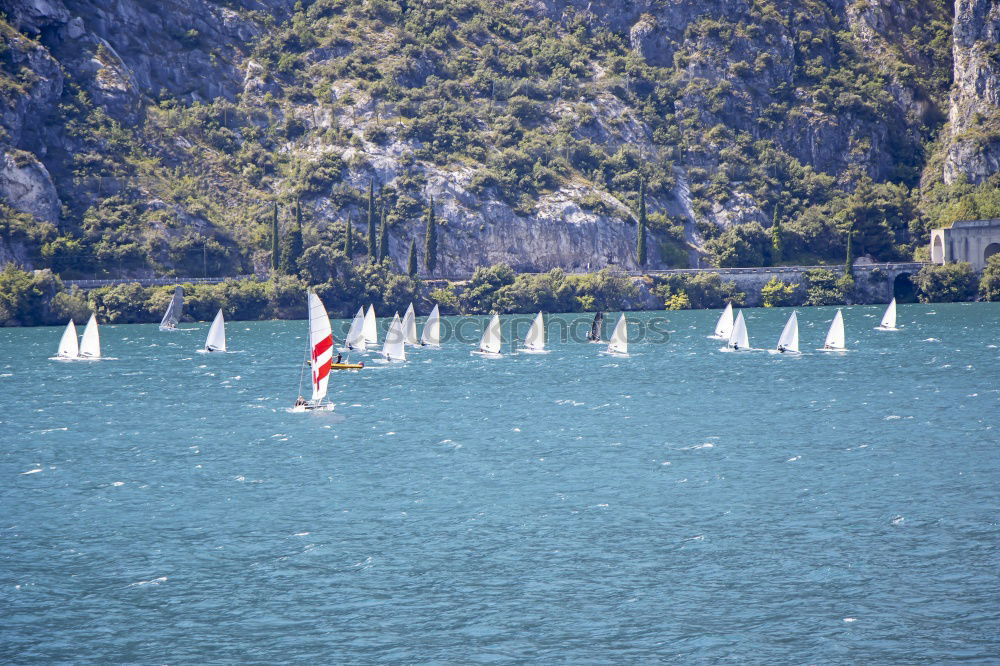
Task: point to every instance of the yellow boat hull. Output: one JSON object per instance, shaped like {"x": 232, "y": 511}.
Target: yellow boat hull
{"x": 347, "y": 366}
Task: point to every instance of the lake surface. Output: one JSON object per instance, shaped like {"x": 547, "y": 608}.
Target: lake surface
{"x": 682, "y": 505}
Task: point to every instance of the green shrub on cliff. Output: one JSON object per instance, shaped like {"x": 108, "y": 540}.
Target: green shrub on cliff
{"x": 945, "y": 283}
{"x": 989, "y": 285}
{"x": 777, "y": 293}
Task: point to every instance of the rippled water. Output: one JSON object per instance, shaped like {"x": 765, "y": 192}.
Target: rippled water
{"x": 680, "y": 505}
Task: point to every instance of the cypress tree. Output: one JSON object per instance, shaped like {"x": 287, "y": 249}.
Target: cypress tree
{"x": 849, "y": 261}
{"x": 776, "y": 244}
{"x": 383, "y": 239}
{"x": 291, "y": 247}
{"x": 411, "y": 264}
{"x": 275, "y": 251}
{"x": 348, "y": 240}
{"x": 640, "y": 243}
{"x": 430, "y": 240}
{"x": 372, "y": 248}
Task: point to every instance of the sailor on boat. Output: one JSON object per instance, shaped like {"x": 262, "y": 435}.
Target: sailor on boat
{"x": 781, "y": 349}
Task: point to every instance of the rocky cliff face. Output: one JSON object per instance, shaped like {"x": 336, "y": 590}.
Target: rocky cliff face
{"x": 546, "y": 113}
{"x": 974, "y": 112}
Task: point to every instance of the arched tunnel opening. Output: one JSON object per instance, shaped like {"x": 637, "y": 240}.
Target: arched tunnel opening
{"x": 903, "y": 289}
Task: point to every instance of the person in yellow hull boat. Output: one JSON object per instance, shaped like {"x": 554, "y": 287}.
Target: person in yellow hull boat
{"x": 340, "y": 365}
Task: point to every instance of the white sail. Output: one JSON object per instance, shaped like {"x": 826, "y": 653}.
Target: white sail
{"x": 431, "y": 335}
{"x": 370, "y": 329}
{"x": 490, "y": 342}
{"x": 724, "y": 327}
{"x": 174, "y": 310}
{"x": 535, "y": 339}
{"x": 394, "y": 349}
{"x": 789, "y": 340}
{"x": 410, "y": 326}
{"x": 889, "y": 318}
{"x": 216, "y": 340}
{"x": 618, "y": 344}
{"x": 738, "y": 338}
{"x": 835, "y": 336}
{"x": 321, "y": 347}
{"x": 69, "y": 346}
{"x": 356, "y": 334}
{"x": 90, "y": 344}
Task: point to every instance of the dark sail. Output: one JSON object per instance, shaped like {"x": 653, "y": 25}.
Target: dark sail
{"x": 595, "y": 328}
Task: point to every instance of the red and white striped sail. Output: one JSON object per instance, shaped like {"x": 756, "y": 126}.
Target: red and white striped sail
{"x": 321, "y": 344}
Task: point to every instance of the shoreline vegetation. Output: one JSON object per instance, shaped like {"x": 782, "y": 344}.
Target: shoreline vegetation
{"x": 38, "y": 298}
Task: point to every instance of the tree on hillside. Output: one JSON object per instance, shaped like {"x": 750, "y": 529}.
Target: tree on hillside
{"x": 849, "y": 259}
{"x": 348, "y": 239}
{"x": 411, "y": 264}
{"x": 863, "y": 218}
{"x": 372, "y": 247}
{"x": 383, "y": 239}
{"x": 430, "y": 240}
{"x": 640, "y": 243}
{"x": 776, "y": 244}
{"x": 291, "y": 246}
{"x": 275, "y": 252}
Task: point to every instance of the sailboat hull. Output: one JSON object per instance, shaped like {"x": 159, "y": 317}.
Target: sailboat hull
{"x": 486, "y": 354}
{"x": 525, "y": 350}
{"x": 614, "y": 353}
{"x": 325, "y": 407}
{"x": 830, "y": 350}
{"x": 886, "y": 328}
{"x": 787, "y": 352}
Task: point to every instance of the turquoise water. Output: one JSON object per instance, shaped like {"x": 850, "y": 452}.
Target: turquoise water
{"x": 681, "y": 505}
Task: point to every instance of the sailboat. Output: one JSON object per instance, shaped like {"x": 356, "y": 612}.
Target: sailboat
{"x": 788, "y": 342}
{"x": 739, "y": 340}
{"x": 534, "y": 341}
{"x": 431, "y": 335}
{"x": 370, "y": 329}
{"x": 394, "y": 347}
{"x": 889, "y": 318}
{"x": 724, "y": 327}
{"x": 321, "y": 353}
{"x": 216, "y": 340}
{"x": 69, "y": 346}
{"x": 489, "y": 345}
{"x": 410, "y": 327}
{"x": 595, "y": 328}
{"x": 90, "y": 343}
{"x": 356, "y": 334}
{"x": 618, "y": 344}
{"x": 173, "y": 314}
{"x": 835, "y": 341}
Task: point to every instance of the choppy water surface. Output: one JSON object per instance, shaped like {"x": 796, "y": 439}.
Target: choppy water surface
{"x": 680, "y": 505}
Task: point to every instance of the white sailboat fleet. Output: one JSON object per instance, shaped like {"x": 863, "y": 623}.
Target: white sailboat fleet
{"x": 739, "y": 339}
{"x": 410, "y": 327}
{"x": 369, "y": 327}
{"x": 216, "y": 340}
{"x": 835, "y": 341}
{"x": 534, "y": 341}
{"x": 888, "y": 322}
{"x": 788, "y": 341}
{"x": 489, "y": 344}
{"x": 394, "y": 346}
{"x": 431, "y": 335}
{"x": 618, "y": 344}
{"x": 87, "y": 349}
{"x": 724, "y": 327}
